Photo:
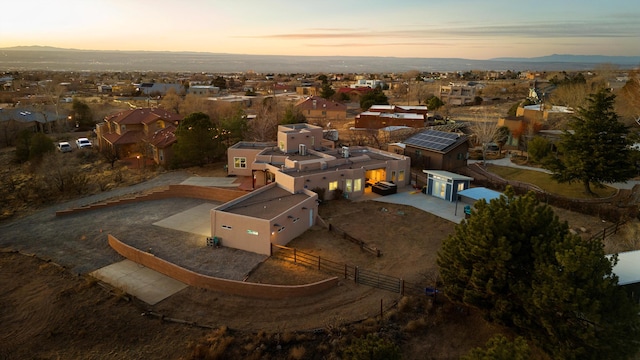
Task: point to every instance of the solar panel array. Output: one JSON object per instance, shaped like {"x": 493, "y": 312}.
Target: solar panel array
{"x": 434, "y": 140}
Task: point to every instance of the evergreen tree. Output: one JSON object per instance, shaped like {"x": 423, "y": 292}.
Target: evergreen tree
{"x": 521, "y": 267}
{"x": 598, "y": 150}
{"x": 82, "y": 114}
{"x": 195, "y": 141}
{"x": 327, "y": 91}
{"x": 375, "y": 97}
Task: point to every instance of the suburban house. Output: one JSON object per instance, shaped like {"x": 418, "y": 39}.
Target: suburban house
{"x": 203, "y": 90}
{"x": 288, "y": 175}
{"x": 367, "y": 83}
{"x": 159, "y": 88}
{"x": 320, "y": 110}
{"x": 146, "y": 131}
{"x": 14, "y": 120}
{"x": 354, "y": 93}
{"x": 541, "y": 113}
{"x": 438, "y": 150}
{"x": 456, "y": 94}
{"x": 381, "y": 116}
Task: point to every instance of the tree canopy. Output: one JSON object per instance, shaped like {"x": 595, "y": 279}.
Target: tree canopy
{"x": 375, "y": 97}
{"x": 521, "y": 267}
{"x": 195, "y": 141}
{"x": 597, "y": 150}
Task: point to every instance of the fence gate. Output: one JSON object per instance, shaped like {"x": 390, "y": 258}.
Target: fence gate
{"x": 377, "y": 280}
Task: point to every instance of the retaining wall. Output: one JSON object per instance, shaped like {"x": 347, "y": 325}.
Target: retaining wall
{"x": 264, "y": 291}
{"x": 188, "y": 191}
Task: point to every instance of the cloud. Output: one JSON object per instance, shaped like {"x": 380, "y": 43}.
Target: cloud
{"x": 545, "y": 29}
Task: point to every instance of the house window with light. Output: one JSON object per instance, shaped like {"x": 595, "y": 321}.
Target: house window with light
{"x": 357, "y": 185}
{"x": 333, "y": 185}
{"x": 348, "y": 185}
{"x": 401, "y": 176}
{"x": 240, "y": 162}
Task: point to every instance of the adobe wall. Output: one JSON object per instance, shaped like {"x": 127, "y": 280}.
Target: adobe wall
{"x": 264, "y": 291}
{"x": 187, "y": 191}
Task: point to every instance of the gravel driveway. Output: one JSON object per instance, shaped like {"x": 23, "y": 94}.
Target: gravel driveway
{"x": 79, "y": 241}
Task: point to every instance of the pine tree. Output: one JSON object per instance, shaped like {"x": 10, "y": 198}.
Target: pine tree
{"x": 195, "y": 140}
{"x": 597, "y": 151}
{"x": 521, "y": 267}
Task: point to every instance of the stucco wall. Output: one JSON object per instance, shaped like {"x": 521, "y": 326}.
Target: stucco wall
{"x": 188, "y": 191}
{"x": 264, "y": 291}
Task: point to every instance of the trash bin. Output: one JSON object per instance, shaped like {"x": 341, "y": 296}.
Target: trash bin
{"x": 467, "y": 211}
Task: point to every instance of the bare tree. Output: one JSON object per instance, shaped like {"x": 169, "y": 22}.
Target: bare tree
{"x": 484, "y": 132}
{"x": 265, "y": 126}
{"x": 171, "y": 101}
{"x": 628, "y": 103}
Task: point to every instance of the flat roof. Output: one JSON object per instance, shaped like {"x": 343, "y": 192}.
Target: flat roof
{"x": 628, "y": 267}
{"x": 266, "y": 204}
{"x": 447, "y": 174}
{"x": 478, "y": 193}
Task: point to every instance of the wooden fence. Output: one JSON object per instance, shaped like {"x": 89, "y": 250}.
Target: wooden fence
{"x": 363, "y": 245}
{"x": 348, "y": 272}
{"x": 608, "y": 231}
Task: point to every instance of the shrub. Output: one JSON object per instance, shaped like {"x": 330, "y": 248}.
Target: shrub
{"x": 371, "y": 347}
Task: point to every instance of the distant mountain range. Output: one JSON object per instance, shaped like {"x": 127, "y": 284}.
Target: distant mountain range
{"x": 58, "y": 59}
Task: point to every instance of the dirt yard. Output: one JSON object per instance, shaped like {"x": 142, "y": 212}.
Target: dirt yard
{"x": 48, "y": 313}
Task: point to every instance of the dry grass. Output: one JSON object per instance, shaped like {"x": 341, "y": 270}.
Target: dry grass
{"x": 545, "y": 182}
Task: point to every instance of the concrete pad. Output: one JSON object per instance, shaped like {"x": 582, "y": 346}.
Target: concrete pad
{"x": 147, "y": 285}
{"x": 211, "y": 181}
{"x": 439, "y": 207}
{"x": 196, "y": 220}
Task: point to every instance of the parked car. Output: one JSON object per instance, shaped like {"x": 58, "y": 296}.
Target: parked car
{"x": 64, "y": 147}
{"x": 83, "y": 143}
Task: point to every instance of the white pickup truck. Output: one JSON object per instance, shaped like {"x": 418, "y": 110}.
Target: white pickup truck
{"x": 83, "y": 143}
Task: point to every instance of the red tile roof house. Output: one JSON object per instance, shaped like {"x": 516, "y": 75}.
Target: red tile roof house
{"x": 145, "y": 131}
{"x": 283, "y": 206}
{"x": 319, "y": 110}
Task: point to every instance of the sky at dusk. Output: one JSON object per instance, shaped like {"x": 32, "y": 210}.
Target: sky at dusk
{"x": 469, "y": 29}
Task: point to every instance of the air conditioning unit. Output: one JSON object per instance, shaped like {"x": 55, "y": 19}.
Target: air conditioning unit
{"x": 345, "y": 152}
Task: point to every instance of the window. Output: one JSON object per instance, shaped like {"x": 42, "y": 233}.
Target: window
{"x": 333, "y": 185}
{"x": 418, "y": 152}
{"x": 401, "y": 176}
{"x": 348, "y": 185}
{"x": 227, "y": 227}
{"x": 460, "y": 186}
{"x": 281, "y": 145}
{"x": 240, "y": 162}
{"x": 357, "y": 184}
{"x": 252, "y": 232}
{"x": 393, "y": 176}
{"x": 460, "y": 156}
{"x": 281, "y": 229}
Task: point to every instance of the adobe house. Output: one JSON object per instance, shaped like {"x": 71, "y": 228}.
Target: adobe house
{"x": 381, "y": 116}
{"x": 439, "y": 150}
{"x": 125, "y": 131}
{"x": 283, "y": 205}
